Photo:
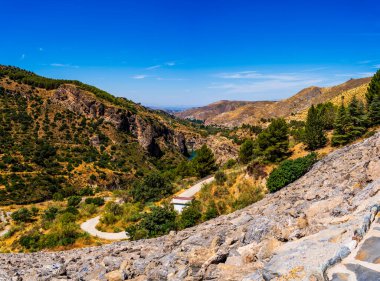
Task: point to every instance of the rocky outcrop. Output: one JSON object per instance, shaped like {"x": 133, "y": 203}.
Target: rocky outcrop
{"x": 291, "y": 233}
{"x": 145, "y": 130}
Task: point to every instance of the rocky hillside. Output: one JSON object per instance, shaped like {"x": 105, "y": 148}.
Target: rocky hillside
{"x": 306, "y": 224}
{"x": 209, "y": 111}
{"x": 253, "y": 112}
{"x": 58, "y": 134}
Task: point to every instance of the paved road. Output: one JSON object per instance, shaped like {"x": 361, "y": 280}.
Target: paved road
{"x": 90, "y": 227}
{"x": 363, "y": 264}
{"x": 190, "y": 192}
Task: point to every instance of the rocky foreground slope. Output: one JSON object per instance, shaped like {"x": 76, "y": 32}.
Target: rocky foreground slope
{"x": 291, "y": 233}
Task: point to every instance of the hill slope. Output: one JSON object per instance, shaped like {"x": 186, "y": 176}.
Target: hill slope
{"x": 305, "y": 223}
{"x": 252, "y": 112}
{"x": 56, "y": 135}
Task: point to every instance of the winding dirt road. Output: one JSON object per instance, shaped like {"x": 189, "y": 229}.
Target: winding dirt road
{"x": 90, "y": 227}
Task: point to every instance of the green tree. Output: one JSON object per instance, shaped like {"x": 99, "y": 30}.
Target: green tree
{"x": 373, "y": 89}
{"x": 273, "y": 143}
{"x": 357, "y": 118}
{"x": 327, "y": 113}
{"x": 204, "y": 162}
{"x": 314, "y": 135}
{"x": 246, "y": 151}
{"x": 374, "y": 110}
{"x": 190, "y": 215}
{"x": 158, "y": 222}
{"x": 152, "y": 188}
{"x": 373, "y": 99}
{"x": 340, "y": 135}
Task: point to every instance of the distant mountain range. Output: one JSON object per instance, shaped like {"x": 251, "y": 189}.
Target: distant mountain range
{"x": 235, "y": 113}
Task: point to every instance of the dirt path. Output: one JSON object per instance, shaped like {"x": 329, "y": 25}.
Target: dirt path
{"x": 90, "y": 227}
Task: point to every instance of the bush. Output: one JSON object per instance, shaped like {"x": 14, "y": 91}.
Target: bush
{"x": 220, "y": 177}
{"x": 50, "y": 213}
{"x": 22, "y": 215}
{"x": 152, "y": 188}
{"x": 289, "y": 171}
{"x": 211, "y": 211}
{"x": 98, "y": 201}
{"x": 230, "y": 163}
{"x": 190, "y": 215}
{"x": 158, "y": 222}
{"x": 74, "y": 201}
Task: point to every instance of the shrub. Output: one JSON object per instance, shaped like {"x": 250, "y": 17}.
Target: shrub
{"x": 158, "y": 222}
{"x": 289, "y": 171}
{"x": 211, "y": 211}
{"x": 98, "y": 201}
{"x": 22, "y": 215}
{"x": 190, "y": 215}
{"x": 50, "y": 213}
{"x": 73, "y": 201}
{"x": 230, "y": 163}
{"x": 220, "y": 177}
{"x": 152, "y": 188}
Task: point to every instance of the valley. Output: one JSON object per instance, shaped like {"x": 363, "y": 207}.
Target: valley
{"x": 82, "y": 168}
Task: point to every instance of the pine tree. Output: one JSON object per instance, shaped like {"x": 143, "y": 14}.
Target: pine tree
{"x": 273, "y": 143}
{"x": 356, "y": 119}
{"x": 246, "y": 151}
{"x": 204, "y": 162}
{"x": 314, "y": 134}
{"x": 327, "y": 112}
{"x": 373, "y": 98}
{"x": 374, "y": 110}
{"x": 373, "y": 88}
{"x": 340, "y": 136}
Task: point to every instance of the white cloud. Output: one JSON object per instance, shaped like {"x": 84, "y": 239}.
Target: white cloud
{"x": 138, "y": 77}
{"x": 40, "y": 49}
{"x": 23, "y": 56}
{"x": 64, "y": 65}
{"x": 170, "y": 79}
{"x": 257, "y": 75}
{"x": 377, "y": 66}
{"x": 153, "y": 67}
{"x": 170, "y": 63}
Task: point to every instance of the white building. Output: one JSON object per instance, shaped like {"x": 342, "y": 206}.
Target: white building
{"x": 181, "y": 202}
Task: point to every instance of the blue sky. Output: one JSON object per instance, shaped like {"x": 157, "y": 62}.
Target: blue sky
{"x": 171, "y": 52}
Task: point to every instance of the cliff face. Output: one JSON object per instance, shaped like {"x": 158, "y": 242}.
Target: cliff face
{"x": 146, "y": 132}
{"x": 289, "y": 233}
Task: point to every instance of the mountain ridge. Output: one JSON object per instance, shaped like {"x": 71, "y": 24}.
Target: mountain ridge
{"x": 253, "y": 112}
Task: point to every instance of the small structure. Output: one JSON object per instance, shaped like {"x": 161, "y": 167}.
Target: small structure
{"x": 180, "y": 203}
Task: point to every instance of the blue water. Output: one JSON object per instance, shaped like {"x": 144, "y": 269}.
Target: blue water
{"x": 192, "y": 155}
